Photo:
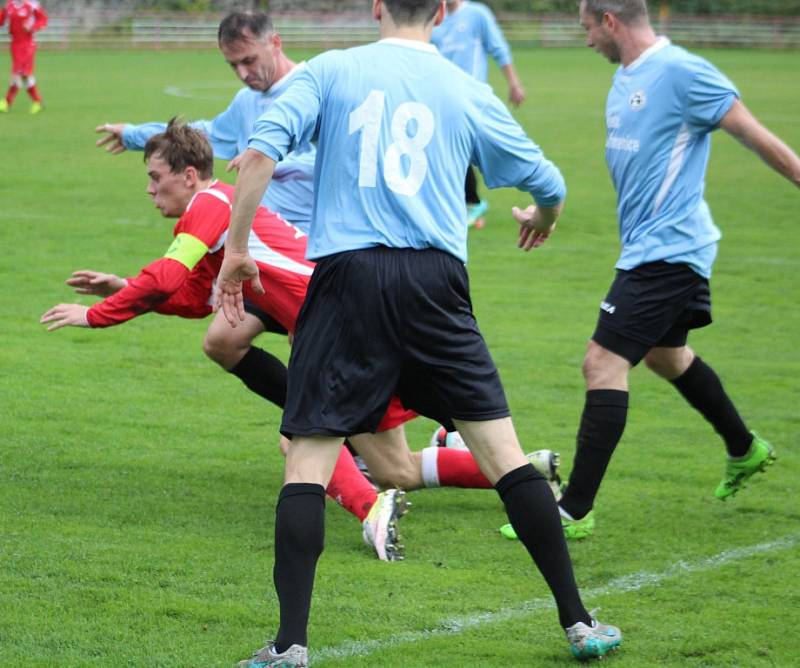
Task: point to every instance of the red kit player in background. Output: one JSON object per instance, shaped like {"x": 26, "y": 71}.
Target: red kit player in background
{"x": 24, "y": 18}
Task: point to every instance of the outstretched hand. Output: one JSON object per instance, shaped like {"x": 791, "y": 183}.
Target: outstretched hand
{"x": 113, "y": 139}
{"x": 63, "y": 315}
{"x": 534, "y": 230}
{"x": 236, "y": 269}
{"x": 88, "y": 282}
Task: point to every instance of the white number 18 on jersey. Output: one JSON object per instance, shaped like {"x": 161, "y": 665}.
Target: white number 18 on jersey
{"x": 368, "y": 118}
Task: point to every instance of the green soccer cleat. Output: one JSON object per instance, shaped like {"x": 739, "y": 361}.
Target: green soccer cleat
{"x": 294, "y": 657}
{"x": 573, "y": 529}
{"x": 3, "y": 106}
{"x": 592, "y": 642}
{"x": 738, "y": 470}
{"x": 36, "y": 107}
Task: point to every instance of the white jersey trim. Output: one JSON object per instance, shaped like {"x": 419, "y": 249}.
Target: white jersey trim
{"x": 409, "y": 43}
{"x": 674, "y": 167}
{"x": 659, "y": 44}
{"x": 261, "y": 252}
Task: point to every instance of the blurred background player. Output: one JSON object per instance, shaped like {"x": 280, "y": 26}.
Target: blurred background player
{"x": 25, "y": 17}
{"x": 388, "y": 308}
{"x": 663, "y": 106}
{"x": 180, "y": 170}
{"x": 468, "y": 33}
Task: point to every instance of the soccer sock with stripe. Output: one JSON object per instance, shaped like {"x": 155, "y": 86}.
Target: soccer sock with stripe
{"x": 602, "y": 423}
{"x": 11, "y": 94}
{"x": 445, "y": 467}
{"x": 263, "y": 374}
{"x": 349, "y": 488}
{"x": 703, "y": 389}
{"x": 34, "y": 93}
{"x": 299, "y": 540}
{"x": 533, "y": 513}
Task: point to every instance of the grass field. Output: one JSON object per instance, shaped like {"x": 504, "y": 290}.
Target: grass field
{"x": 137, "y": 481}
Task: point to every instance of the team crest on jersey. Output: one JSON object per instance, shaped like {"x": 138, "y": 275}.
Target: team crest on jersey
{"x": 637, "y": 100}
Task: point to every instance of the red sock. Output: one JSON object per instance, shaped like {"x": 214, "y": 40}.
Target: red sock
{"x": 349, "y": 488}
{"x": 11, "y": 94}
{"x": 34, "y": 94}
{"x": 443, "y": 467}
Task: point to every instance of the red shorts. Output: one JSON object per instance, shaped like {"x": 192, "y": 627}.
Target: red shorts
{"x": 22, "y": 58}
{"x": 395, "y": 415}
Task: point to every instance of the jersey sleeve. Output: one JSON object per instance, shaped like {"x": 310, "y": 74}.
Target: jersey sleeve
{"x": 191, "y": 300}
{"x": 709, "y": 96}
{"x": 508, "y": 158}
{"x": 134, "y": 137}
{"x": 493, "y": 40}
{"x": 154, "y": 284}
{"x": 293, "y": 119}
{"x": 201, "y": 228}
{"x": 40, "y": 18}
{"x": 3, "y": 15}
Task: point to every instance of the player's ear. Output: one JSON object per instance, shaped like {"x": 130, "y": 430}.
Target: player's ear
{"x": 440, "y": 14}
{"x": 377, "y": 9}
{"x": 277, "y": 42}
{"x": 190, "y": 177}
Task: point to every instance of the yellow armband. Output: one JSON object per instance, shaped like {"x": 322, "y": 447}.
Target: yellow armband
{"x": 187, "y": 250}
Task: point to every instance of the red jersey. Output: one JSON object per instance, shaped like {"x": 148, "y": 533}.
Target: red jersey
{"x": 181, "y": 282}
{"x": 24, "y": 18}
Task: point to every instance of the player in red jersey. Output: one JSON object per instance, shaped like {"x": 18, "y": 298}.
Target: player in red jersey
{"x": 25, "y": 17}
{"x": 179, "y": 164}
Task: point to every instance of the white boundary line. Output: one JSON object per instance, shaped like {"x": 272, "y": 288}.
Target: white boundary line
{"x": 621, "y": 585}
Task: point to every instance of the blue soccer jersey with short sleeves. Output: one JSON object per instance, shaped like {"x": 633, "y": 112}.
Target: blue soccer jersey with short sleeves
{"x": 467, "y": 35}
{"x": 659, "y": 115}
{"x": 396, "y": 125}
{"x": 292, "y": 191}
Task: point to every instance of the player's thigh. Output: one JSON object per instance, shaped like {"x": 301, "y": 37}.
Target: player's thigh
{"x": 388, "y": 458}
{"x": 494, "y": 445}
{"x": 311, "y": 460}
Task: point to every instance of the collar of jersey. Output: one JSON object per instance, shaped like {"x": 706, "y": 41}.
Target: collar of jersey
{"x": 276, "y": 88}
{"x": 409, "y": 43}
{"x": 660, "y": 43}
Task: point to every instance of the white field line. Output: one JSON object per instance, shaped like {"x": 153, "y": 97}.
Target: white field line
{"x": 621, "y": 585}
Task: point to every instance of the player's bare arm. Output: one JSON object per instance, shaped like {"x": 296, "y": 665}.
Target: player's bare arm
{"x": 255, "y": 173}
{"x": 65, "y": 315}
{"x": 740, "y": 123}
{"x": 113, "y": 137}
{"x": 536, "y": 224}
{"x": 516, "y": 93}
{"x": 88, "y": 282}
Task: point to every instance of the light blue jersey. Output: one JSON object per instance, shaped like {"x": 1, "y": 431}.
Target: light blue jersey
{"x": 396, "y": 125}
{"x": 660, "y": 112}
{"x": 467, "y": 35}
{"x": 292, "y": 191}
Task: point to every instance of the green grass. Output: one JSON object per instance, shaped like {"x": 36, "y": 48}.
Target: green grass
{"x": 137, "y": 481}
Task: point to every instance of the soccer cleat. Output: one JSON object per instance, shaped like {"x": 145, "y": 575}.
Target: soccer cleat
{"x": 36, "y": 107}
{"x": 475, "y": 213}
{"x": 592, "y": 642}
{"x": 573, "y": 529}
{"x": 3, "y": 106}
{"x": 739, "y": 470}
{"x": 380, "y": 528}
{"x": 294, "y": 657}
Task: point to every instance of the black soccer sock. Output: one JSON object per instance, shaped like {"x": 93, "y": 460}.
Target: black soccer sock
{"x": 533, "y": 513}
{"x": 263, "y": 374}
{"x": 299, "y": 539}
{"x": 702, "y": 388}
{"x": 602, "y": 423}
{"x": 471, "y": 187}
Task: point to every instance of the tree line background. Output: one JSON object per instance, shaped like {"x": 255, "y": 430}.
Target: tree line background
{"x": 709, "y": 7}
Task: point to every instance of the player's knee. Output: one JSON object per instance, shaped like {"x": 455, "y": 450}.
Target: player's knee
{"x": 669, "y": 363}
{"x": 220, "y": 350}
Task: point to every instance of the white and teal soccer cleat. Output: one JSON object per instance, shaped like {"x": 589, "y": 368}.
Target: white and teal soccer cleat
{"x": 592, "y": 642}
{"x": 475, "y": 214}
{"x": 294, "y": 657}
{"x": 380, "y": 527}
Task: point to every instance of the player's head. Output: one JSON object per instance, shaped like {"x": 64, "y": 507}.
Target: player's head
{"x": 179, "y": 162}
{"x": 409, "y": 12}
{"x": 252, "y": 48}
{"x": 605, "y": 20}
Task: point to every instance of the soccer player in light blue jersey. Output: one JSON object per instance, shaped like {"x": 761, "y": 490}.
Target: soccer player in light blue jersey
{"x": 663, "y": 105}
{"x": 388, "y": 308}
{"x": 467, "y": 35}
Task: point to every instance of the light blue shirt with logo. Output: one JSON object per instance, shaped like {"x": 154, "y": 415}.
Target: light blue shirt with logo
{"x": 291, "y": 193}
{"x": 467, "y": 35}
{"x": 396, "y": 125}
{"x": 660, "y": 112}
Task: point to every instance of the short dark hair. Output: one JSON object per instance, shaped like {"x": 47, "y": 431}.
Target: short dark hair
{"x": 234, "y": 26}
{"x": 628, "y": 11}
{"x": 410, "y": 12}
{"x": 180, "y": 147}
